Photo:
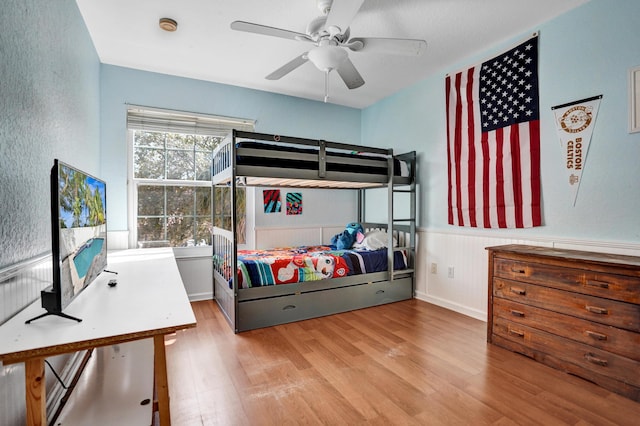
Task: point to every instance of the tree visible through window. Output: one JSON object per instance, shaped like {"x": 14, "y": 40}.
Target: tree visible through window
{"x": 172, "y": 177}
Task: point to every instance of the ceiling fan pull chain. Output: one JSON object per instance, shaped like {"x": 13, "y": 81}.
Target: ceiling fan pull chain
{"x": 326, "y": 85}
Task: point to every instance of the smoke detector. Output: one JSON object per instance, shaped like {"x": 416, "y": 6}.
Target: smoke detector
{"x": 168, "y": 24}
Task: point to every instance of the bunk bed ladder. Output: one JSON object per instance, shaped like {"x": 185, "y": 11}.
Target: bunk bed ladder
{"x": 406, "y": 224}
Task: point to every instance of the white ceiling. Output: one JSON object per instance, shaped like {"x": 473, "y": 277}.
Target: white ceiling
{"x": 126, "y": 33}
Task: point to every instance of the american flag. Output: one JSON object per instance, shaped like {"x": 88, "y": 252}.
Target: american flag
{"x": 493, "y": 141}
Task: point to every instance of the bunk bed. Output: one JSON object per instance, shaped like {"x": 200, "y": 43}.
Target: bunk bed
{"x": 265, "y": 160}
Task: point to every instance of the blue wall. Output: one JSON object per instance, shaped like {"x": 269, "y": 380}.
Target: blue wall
{"x": 49, "y": 99}
{"x": 583, "y": 53}
{"x": 273, "y": 113}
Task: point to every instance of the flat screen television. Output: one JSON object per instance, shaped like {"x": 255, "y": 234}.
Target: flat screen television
{"x": 78, "y": 234}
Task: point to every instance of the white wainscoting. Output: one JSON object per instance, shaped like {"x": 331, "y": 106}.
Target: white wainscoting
{"x": 197, "y": 276}
{"x": 118, "y": 240}
{"x": 266, "y": 238}
{"x": 466, "y": 291}
{"x": 20, "y": 284}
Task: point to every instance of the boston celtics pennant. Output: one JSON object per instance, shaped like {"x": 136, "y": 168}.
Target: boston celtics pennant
{"x": 574, "y": 122}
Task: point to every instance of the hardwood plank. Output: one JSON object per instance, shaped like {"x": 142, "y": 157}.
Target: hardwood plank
{"x": 407, "y": 363}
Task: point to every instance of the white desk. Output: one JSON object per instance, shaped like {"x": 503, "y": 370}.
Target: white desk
{"x": 148, "y": 301}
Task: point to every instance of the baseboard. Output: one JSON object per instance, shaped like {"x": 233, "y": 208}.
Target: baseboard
{"x": 197, "y": 297}
{"x": 473, "y": 313}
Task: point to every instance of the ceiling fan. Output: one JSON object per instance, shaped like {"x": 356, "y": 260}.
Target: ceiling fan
{"x": 329, "y": 33}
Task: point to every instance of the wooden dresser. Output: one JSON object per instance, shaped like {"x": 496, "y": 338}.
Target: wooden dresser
{"x": 572, "y": 310}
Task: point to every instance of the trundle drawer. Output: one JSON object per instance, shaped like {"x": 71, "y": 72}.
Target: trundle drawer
{"x": 276, "y": 310}
{"x": 600, "y": 284}
{"x": 605, "y": 311}
{"x": 605, "y": 363}
{"x": 611, "y": 339}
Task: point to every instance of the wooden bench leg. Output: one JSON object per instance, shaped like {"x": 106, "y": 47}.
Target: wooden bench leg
{"x": 35, "y": 392}
{"x": 160, "y": 379}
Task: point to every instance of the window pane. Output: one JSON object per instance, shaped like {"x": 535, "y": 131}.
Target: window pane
{"x": 179, "y": 215}
{"x": 180, "y": 165}
{"x": 222, "y": 195}
{"x": 203, "y": 230}
{"x": 207, "y": 143}
{"x": 150, "y": 200}
{"x": 180, "y": 231}
{"x": 148, "y": 163}
{"x": 150, "y": 229}
{"x": 203, "y": 201}
{"x": 241, "y": 225}
{"x": 203, "y": 165}
{"x": 148, "y": 139}
{"x": 180, "y": 200}
{"x": 179, "y": 141}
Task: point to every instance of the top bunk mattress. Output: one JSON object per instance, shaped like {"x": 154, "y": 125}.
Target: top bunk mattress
{"x": 256, "y": 159}
{"x": 250, "y": 153}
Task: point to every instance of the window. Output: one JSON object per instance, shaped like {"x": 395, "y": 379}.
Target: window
{"x": 171, "y": 174}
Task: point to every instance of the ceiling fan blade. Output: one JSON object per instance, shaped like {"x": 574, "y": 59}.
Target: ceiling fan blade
{"x": 395, "y": 46}
{"x": 342, "y": 13}
{"x": 288, "y": 67}
{"x": 350, "y": 74}
{"x": 270, "y": 31}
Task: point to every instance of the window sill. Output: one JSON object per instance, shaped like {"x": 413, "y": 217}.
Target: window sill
{"x": 192, "y": 252}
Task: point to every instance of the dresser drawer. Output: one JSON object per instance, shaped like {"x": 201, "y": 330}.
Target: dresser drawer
{"x": 604, "y": 311}
{"x": 611, "y": 339}
{"x": 607, "y": 364}
{"x": 602, "y": 284}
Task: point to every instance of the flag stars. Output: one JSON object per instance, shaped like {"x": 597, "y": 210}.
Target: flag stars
{"x": 505, "y": 83}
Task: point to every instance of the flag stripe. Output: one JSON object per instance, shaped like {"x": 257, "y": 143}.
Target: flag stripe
{"x": 457, "y": 146}
{"x": 449, "y": 162}
{"x": 471, "y": 151}
{"x": 534, "y": 155}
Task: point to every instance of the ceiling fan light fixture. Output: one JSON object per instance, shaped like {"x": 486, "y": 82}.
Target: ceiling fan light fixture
{"x": 327, "y": 58}
{"x": 168, "y": 24}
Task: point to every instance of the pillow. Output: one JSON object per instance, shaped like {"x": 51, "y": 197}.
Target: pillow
{"x": 375, "y": 240}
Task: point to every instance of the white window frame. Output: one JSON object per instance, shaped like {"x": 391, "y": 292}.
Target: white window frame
{"x": 162, "y": 120}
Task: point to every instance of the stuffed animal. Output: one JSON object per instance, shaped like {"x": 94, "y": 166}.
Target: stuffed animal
{"x": 345, "y": 240}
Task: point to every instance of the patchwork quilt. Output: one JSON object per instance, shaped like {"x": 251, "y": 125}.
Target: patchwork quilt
{"x": 309, "y": 263}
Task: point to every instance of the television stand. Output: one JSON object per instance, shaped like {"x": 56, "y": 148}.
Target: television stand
{"x": 60, "y": 314}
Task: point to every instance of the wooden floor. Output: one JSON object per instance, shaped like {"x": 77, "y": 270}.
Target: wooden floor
{"x": 404, "y": 363}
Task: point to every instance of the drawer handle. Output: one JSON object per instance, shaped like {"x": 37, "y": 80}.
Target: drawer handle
{"x": 595, "y": 360}
{"x": 517, "y": 313}
{"x": 516, "y": 332}
{"x": 519, "y": 291}
{"x": 597, "y": 310}
{"x": 289, "y": 307}
{"x": 598, "y": 284}
{"x": 518, "y": 271}
{"x": 597, "y": 336}
{"x": 379, "y": 291}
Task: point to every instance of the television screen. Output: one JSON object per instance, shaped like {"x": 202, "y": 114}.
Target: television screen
{"x": 79, "y": 233}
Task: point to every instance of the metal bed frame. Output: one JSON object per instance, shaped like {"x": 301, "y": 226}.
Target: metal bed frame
{"x": 250, "y": 308}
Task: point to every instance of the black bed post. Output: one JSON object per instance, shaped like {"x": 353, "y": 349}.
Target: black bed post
{"x": 234, "y": 230}
{"x": 361, "y": 206}
{"x": 390, "y": 182}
